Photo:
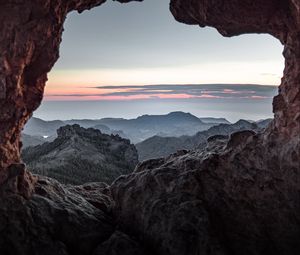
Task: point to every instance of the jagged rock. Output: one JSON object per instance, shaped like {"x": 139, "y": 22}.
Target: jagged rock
{"x": 226, "y": 201}
{"x": 239, "y": 138}
{"x": 53, "y": 221}
{"x": 121, "y": 244}
{"x": 80, "y": 155}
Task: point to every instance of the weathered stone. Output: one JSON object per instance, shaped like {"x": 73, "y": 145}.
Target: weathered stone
{"x": 54, "y": 221}
{"x": 2, "y": 88}
{"x": 121, "y": 244}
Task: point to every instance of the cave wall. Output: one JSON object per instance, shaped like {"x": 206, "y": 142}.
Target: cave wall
{"x": 237, "y": 197}
{"x": 29, "y": 46}
{"x": 31, "y": 34}
{"x": 279, "y": 18}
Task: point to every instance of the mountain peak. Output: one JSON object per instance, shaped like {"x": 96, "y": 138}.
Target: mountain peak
{"x": 69, "y": 130}
{"x": 80, "y": 155}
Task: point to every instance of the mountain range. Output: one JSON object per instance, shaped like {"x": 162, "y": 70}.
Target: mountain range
{"x": 137, "y": 130}
{"x": 158, "y": 146}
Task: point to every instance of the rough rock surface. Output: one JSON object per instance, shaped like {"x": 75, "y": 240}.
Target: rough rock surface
{"x": 53, "y": 221}
{"x": 241, "y": 198}
{"x": 222, "y": 200}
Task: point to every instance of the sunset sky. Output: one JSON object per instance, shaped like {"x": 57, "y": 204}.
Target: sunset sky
{"x": 141, "y": 44}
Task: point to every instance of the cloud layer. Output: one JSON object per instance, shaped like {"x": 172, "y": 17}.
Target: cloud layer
{"x": 206, "y": 91}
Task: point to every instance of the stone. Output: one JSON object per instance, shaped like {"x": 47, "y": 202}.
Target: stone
{"x": 2, "y": 88}
{"x": 54, "y": 220}
{"x": 120, "y": 244}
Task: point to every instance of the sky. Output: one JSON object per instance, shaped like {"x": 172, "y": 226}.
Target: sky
{"x": 130, "y": 59}
{"x": 141, "y": 44}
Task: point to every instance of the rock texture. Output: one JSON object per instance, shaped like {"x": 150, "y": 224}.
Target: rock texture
{"x": 80, "y": 155}
{"x": 55, "y": 220}
{"x": 235, "y": 197}
{"x": 62, "y": 220}
{"x": 29, "y": 43}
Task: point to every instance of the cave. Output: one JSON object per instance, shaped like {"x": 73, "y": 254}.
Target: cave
{"x": 240, "y": 199}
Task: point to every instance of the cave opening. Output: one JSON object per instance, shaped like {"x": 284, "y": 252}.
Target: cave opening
{"x": 239, "y": 196}
{"x": 131, "y": 66}
{"x": 128, "y": 48}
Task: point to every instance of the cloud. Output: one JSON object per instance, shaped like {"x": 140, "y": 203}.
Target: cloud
{"x": 171, "y": 91}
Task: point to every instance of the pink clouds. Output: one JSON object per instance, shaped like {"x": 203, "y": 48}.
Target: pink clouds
{"x": 208, "y": 91}
{"x": 82, "y": 97}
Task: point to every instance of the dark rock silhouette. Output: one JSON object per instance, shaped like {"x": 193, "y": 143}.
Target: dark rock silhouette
{"x": 240, "y": 198}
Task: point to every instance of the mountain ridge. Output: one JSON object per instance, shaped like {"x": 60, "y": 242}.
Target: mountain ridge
{"x": 80, "y": 155}
{"x": 138, "y": 129}
{"x": 158, "y": 146}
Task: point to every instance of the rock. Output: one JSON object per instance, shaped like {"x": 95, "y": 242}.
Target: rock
{"x": 239, "y": 138}
{"x": 54, "y": 221}
{"x": 214, "y": 138}
{"x": 19, "y": 181}
{"x": 220, "y": 201}
{"x": 2, "y": 88}
{"x": 120, "y": 244}
{"x": 80, "y": 155}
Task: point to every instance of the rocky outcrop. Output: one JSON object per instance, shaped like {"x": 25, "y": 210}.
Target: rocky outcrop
{"x": 80, "y": 155}
{"x": 61, "y": 220}
{"x": 242, "y": 197}
{"x": 56, "y": 220}
{"x": 234, "y": 197}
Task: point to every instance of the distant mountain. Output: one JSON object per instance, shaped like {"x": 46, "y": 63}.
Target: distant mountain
{"x": 106, "y": 130}
{"x": 143, "y": 127}
{"x": 157, "y": 146}
{"x": 38, "y": 127}
{"x": 28, "y": 140}
{"x": 215, "y": 120}
{"x": 80, "y": 155}
{"x": 263, "y": 123}
{"x": 172, "y": 124}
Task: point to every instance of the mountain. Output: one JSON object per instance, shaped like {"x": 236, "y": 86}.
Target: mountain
{"x": 172, "y": 124}
{"x": 80, "y": 155}
{"x": 143, "y": 127}
{"x": 106, "y": 130}
{"x": 215, "y": 120}
{"x": 263, "y": 123}
{"x": 39, "y": 127}
{"x": 157, "y": 146}
{"x": 28, "y": 140}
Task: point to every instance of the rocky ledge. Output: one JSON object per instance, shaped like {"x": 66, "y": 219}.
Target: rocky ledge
{"x": 218, "y": 200}
{"x": 61, "y": 220}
